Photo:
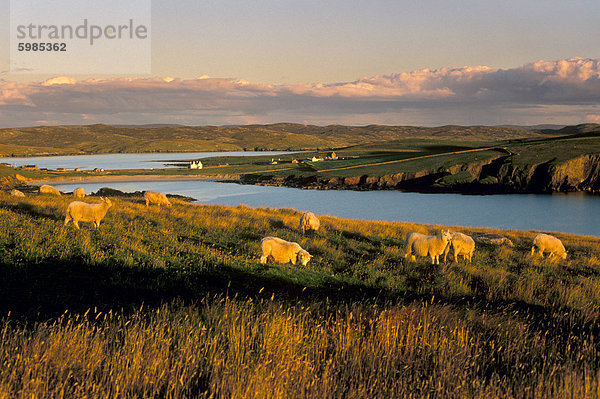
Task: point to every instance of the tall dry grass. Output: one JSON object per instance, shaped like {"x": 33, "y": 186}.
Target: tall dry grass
{"x": 231, "y": 348}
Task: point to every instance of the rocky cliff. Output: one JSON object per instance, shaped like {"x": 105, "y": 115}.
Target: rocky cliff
{"x": 496, "y": 175}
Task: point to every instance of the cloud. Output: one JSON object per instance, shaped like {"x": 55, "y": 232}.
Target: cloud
{"x": 60, "y": 80}
{"x": 472, "y": 94}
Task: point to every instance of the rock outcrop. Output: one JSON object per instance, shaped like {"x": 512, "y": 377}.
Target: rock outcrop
{"x": 495, "y": 175}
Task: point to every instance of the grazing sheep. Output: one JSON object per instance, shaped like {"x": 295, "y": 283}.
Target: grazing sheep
{"x": 16, "y": 193}
{"x": 46, "y": 189}
{"x": 461, "y": 244}
{"x": 548, "y": 243}
{"x": 309, "y": 221}
{"x": 422, "y": 245}
{"x": 79, "y": 192}
{"x": 81, "y": 212}
{"x": 493, "y": 239}
{"x": 156, "y": 197}
{"x": 282, "y": 251}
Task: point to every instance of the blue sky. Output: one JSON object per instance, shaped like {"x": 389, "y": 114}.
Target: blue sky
{"x": 279, "y": 44}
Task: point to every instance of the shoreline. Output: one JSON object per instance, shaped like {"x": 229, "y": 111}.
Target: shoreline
{"x": 237, "y": 179}
{"x": 125, "y": 178}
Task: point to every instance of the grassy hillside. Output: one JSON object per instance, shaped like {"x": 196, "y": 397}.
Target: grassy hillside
{"x": 94, "y": 139}
{"x": 160, "y": 303}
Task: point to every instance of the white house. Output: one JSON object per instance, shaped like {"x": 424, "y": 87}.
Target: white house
{"x": 195, "y": 165}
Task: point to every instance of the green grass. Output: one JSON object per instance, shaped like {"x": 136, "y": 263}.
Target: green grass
{"x": 556, "y": 150}
{"x": 95, "y": 139}
{"x": 173, "y": 302}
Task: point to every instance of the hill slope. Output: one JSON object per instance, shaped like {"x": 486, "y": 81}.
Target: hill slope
{"x": 94, "y": 139}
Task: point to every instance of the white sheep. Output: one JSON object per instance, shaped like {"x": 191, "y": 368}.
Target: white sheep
{"x": 282, "y": 251}
{"x": 422, "y": 245}
{"x": 461, "y": 244}
{"x": 17, "y": 193}
{"x": 79, "y": 192}
{"x": 309, "y": 221}
{"x": 157, "y": 198}
{"x": 547, "y": 243}
{"x": 81, "y": 212}
{"x": 46, "y": 189}
{"x": 493, "y": 239}
{"x": 412, "y": 237}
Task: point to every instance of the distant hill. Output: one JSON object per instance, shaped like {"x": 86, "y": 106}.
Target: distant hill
{"x": 536, "y": 127}
{"x": 577, "y": 129}
{"x": 94, "y": 139}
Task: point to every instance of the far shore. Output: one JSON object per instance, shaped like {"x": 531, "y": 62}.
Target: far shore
{"x": 124, "y": 178}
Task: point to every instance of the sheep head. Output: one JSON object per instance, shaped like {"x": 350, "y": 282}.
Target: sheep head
{"x": 446, "y": 236}
{"x": 107, "y": 201}
{"x": 304, "y": 257}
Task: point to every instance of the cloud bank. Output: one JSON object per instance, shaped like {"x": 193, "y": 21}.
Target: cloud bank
{"x": 564, "y": 91}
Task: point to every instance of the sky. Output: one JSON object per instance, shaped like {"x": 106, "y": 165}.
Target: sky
{"x": 429, "y": 63}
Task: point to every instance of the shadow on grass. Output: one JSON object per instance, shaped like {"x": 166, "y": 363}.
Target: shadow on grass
{"x": 27, "y": 209}
{"x": 41, "y": 291}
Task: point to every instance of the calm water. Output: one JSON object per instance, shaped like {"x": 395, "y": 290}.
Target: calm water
{"x": 124, "y": 161}
{"x": 572, "y": 213}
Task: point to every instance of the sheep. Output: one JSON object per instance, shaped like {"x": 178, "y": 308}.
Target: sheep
{"x": 461, "y": 244}
{"x": 81, "y": 212}
{"x": 493, "y": 239}
{"x": 548, "y": 243}
{"x": 412, "y": 237}
{"x": 46, "y": 189}
{"x": 156, "y": 197}
{"x": 16, "y": 193}
{"x": 282, "y": 251}
{"x": 309, "y": 221}
{"x": 422, "y": 245}
{"x": 79, "y": 192}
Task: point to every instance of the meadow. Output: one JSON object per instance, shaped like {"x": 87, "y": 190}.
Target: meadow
{"x": 99, "y": 138}
{"x": 174, "y": 303}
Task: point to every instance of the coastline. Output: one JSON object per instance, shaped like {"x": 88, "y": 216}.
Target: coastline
{"x": 125, "y": 178}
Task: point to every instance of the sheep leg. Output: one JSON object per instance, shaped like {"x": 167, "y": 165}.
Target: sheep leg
{"x": 67, "y": 219}
{"x": 76, "y": 224}
{"x": 446, "y": 251}
{"x": 147, "y": 202}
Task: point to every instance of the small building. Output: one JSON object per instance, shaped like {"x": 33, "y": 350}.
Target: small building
{"x": 77, "y": 170}
{"x": 294, "y": 161}
{"x": 333, "y": 156}
{"x": 316, "y": 159}
{"x": 60, "y": 169}
{"x": 98, "y": 170}
{"x": 195, "y": 165}
{"x": 31, "y": 167}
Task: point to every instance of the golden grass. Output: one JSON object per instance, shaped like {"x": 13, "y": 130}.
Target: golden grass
{"x": 232, "y": 348}
{"x": 184, "y": 309}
